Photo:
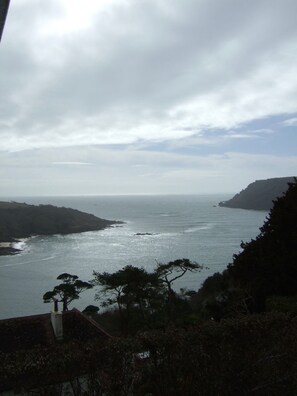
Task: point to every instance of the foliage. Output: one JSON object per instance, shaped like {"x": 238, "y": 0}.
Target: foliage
{"x": 131, "y": 288}
{"x": 169, "y": 273}
{"x": 91, "y": 310}
{"x": 266, "y": 266}
{"x": 67, "y": 291}
{"x": 143, "y": 299}
{"x": 240, "y": 353}
{"x": 251, "y": 355}
{"x": 19, "y": 220}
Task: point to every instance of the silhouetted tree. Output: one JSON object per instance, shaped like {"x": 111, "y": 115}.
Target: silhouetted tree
{"x": 268, "y": 264}
{"x": 170, "y": 272}
{"x": 67, "y": 291}
{"x": 130, "y": 287}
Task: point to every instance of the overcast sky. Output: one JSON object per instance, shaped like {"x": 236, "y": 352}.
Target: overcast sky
{"x": 147, "y": 96}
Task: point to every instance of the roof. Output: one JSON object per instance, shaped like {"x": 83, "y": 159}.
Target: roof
{"x": 4, "y": 4}
{"x": 27, "y": 332}
{"x": 30, "y": 355}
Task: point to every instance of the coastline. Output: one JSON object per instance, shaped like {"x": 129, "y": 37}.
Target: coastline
{"x": 8, "y": 248}
{"x": 20, "y": 221}
{"x": 15, "y": 246}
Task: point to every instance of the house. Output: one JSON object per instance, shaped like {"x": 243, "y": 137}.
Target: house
{"x": 52, "y": 353}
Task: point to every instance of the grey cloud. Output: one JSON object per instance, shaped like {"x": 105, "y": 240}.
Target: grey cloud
{"x": 179, "y": 60}
{"x": 137, "y": 64}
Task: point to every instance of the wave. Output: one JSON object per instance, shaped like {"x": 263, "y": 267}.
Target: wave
{"x": 48, "y": 258}
{"x": 20, "y": 244}
{"x": 26, "y": 262}
{"x": 206, "y": 226}
{"x": 17, "y": 264}
{"x": 168, "y": 214}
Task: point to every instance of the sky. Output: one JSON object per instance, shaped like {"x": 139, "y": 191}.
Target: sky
{"x": 146, "y": 96}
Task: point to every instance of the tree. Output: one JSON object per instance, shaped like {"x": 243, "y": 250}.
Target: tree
{"x": 266, "y": 266}
{"x": 170, "y": 272}
{"x": 67, "y": 291}
{"x": 91, "y": 310}
{"x": 143, "y": 298}
{"x": 129, "y": 288}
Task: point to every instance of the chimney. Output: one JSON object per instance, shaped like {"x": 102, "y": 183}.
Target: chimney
{"x": 57, "y": 321}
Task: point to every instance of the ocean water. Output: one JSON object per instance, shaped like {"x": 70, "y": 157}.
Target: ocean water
{"x": 181, "y": 226}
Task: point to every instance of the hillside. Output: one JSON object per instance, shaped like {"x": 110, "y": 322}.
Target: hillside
{"x": 20, "y": 220}
{"x": 265, "y": 269}
{"x": 259, "y": 195}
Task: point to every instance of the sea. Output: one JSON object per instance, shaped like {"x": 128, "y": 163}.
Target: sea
{"x": 156, "y": 229}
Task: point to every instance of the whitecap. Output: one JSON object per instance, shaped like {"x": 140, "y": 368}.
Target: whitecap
{"x": 20, "y": 244}
{"x": 207, "y": 226}
{"x": 48, "y": 258}
{"x": 168, "y": 214}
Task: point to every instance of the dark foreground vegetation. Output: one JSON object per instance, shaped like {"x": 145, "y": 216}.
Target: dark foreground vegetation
{"x": 20, "y": 220}
{"x": 266, "y": 267}
{"x": 236, "y": 336}
{"x": 250, "y": 355}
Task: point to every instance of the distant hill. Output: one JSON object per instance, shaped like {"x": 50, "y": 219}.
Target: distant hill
{"x": 259, "y": 194}
{"x": 20, "y": 220}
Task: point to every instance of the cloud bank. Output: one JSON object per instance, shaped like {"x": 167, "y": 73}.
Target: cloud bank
{"x": 192, "y": 78}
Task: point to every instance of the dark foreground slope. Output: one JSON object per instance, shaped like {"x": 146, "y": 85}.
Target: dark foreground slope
{"x": 259, "y": 194}
{"x": 20, "y": 220}
{"x": 265, "y": 269}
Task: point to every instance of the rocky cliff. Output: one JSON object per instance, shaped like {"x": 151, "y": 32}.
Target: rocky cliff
{"x": 260, "y": 194}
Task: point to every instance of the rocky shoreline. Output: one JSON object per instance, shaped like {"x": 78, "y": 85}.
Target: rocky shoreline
{"x": 259, "y": 195}
{"x": 21, "y": 220}
{"x": 8, "y": 249}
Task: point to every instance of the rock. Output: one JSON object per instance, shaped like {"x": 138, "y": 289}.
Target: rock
{"x": 259, "y": 195}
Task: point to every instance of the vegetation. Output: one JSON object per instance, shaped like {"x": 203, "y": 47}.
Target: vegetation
{"x": 67, "y": 291}
{"x": 251, "y": 355}
{"x": 218, "y": 344}
{"x": 259, "y": 195}
{"x": 168, "y": 274}
{"x": 20, "y": 220}
{"x": 144, "y": 300}
{"x": 266, "y": 266}
{"x": 226, "y": 339}
{"x": 262, "y": 274}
